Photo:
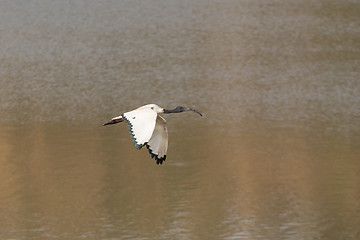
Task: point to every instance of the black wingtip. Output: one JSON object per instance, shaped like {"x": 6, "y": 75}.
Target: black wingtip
{"x": 157, "y": 159}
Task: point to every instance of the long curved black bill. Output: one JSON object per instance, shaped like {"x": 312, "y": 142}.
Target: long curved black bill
{"x": 190, "y": 109}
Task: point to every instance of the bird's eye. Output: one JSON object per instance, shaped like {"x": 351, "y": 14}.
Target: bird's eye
{"x": 152, "y": 108}
{"x": 133, "y": 117}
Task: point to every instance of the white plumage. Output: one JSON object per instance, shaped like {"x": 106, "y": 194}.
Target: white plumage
{"x": 148, "y": 128}
{"x": 158, "y": 142}
{"x": 141, "y": 123}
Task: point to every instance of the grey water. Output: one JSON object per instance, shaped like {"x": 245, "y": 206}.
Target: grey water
{"x": 275, "y": 156}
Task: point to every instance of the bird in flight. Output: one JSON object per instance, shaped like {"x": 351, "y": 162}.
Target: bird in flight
{"x": 148, "y": 128}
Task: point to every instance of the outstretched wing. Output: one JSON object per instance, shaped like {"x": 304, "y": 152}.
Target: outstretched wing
{"x": 141, "y": 125}
{"x": 158, "y": 142}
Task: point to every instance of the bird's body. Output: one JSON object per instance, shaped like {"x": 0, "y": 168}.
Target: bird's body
{"x": 148, "y": 128}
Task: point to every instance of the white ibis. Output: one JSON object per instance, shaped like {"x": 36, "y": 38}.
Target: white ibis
{"x": 148, "y": 128}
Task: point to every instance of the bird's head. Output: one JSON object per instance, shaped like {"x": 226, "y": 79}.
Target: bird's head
{"x": 180, "y": 109}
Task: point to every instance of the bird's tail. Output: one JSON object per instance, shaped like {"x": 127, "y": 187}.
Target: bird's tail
{"x": 115, "y": 120}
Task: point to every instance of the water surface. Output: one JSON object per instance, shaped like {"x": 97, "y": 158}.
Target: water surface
{"x": 276, "y": 155}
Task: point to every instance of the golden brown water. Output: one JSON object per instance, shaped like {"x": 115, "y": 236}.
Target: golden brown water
{"x": 276, "y": 155}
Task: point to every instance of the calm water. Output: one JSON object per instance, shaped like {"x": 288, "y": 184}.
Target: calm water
{"x": 276, "y": 155}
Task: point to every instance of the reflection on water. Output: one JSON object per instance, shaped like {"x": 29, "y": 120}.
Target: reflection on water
{"x": 281, "y": 183}
{"x": 276, "y": 155}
